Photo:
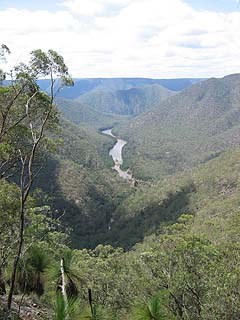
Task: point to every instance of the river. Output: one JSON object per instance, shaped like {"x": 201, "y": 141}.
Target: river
{"x": 116, "y": 154}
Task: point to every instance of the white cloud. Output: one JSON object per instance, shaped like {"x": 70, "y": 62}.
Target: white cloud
{"x": 148, "y": 38}
{"x": 94, "y": 7}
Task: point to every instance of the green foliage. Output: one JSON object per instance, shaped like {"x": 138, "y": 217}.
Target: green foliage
{"x": 71, "y": 275}
{"x": 50, "y": 64}
{"x": 3, "y": 51}
{"x": 84, "y": 190}
{"x": 132, "y": 101}
{"x": 84, "y": 115}
{"x": 63, "y": 312}
{"x": 98, "y": 313}
{"x": 152, "y": 310}
{"x": 60, "y": 312}
{"x": 9, "y": 208}
{"x": 190, "y": 128}
{"x": 181, "y": 232}
{"x": 31, "y": 271}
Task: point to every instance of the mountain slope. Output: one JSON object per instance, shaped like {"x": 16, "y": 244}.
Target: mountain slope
{"x": 80, "y": 185}
{"x": 185, "y": 130}
{"x": 99, "y": 207}
{"x": 83, "y": 114}
{"x": 128, "y": 102}
{"x": 210, "y": 193}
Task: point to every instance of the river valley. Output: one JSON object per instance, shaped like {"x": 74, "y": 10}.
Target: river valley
{"x": 116, "y": 154}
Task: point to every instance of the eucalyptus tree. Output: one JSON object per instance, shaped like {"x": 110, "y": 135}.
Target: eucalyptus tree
{"x": 9, "y": 207}
{"x": 27, "y": 116}
{"x": 3, "y": 51}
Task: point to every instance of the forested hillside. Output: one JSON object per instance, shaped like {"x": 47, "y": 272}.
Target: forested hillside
{"x": 78, "y": 241}
{"x": 189, "y": 128}
{"x": 210, "y": 193}
{"x": 83, "y": 185}
{"x": 83, "y": 114}
{"x": 127, "y": 102}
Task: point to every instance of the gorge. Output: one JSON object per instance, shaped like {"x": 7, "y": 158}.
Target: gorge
{"x": 116, "y": 154}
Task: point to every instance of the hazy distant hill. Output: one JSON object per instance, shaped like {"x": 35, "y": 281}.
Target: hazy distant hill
{"x": 125, "y": 96}
{"x": 186, "y": 129}
{"x": 129, "y": 102}
{"x": 82, "y": 86}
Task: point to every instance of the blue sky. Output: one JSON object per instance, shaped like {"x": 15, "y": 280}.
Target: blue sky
{"x": 28, "y": 4}
{"x": 127, "y": 38}
{"x": 214, "y": 5}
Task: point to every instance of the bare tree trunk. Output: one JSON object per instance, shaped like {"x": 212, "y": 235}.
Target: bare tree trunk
{"x": 18, "y": 255}
{"x": 56, "y": 66}
{"x": 90, "y": 301}
{"x": 26, "y": 181}
{"x": 2, "y": 284}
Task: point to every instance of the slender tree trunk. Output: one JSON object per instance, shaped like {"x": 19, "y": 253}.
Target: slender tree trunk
{"x": 90, "y": 301}
{"x": 25, "y": 189}
{"x": 2, "y": 284}
{"x": 18, "y": 255}
{"x": 56, "y": 66}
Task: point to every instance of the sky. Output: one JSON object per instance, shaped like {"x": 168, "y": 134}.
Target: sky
{"x": 127, "y": 38}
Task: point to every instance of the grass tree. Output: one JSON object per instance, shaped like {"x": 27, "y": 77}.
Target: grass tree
{"x": 154, "y": 309}
{"x": 31, "y": 271}
{"x": 66, "y": 280}
{"x": 63, "y": 311}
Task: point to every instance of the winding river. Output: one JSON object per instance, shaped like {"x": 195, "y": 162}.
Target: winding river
{"x": 116, "y": 154}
